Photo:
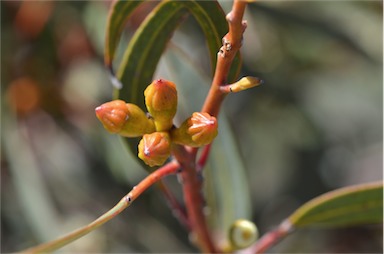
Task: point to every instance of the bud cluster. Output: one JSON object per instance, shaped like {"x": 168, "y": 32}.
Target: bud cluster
{"x": 156, "y": 128}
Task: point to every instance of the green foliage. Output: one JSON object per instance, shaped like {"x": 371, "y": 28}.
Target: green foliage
{"x": 353, "y": 205}
{"x": 316, "y": 124}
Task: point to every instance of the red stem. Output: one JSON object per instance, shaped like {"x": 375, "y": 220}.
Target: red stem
{"x": 271, "y": 238}
{"x": 203, "y": 157}
{"x": 232, "y": 43}
{"x": 192, "y": 184}
{"x": 177, "y": 209}
{"x": 168, "y": 169}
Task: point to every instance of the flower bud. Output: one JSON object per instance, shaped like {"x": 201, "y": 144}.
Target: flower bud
{"x": 161, "y": 102}
{"x": 125, "y": 119}
{"x": 242, "y": 84}
{"x": 155, "y": 148}
{"x": 198, "y": 130}
{"x": 242, "y": 234}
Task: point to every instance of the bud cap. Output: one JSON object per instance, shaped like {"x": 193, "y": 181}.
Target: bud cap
{"x": 125, "y": 119}
{"x": 161, "y": 102}
{"x": 155, "y": 148}
{"x": 198, "y": 130}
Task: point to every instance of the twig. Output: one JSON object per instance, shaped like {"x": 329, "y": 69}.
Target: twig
{"x": 203, "y": 157}
{"x": 231, "y": 45}
{"x": 191, "y": 181}
{"x": 271, "y": 238}
{"x": 168, "y": 169}
{"x": 177, "y": 210}
{"x": 192, "y": 186}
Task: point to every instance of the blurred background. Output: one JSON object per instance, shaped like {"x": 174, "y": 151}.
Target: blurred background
{"x": 313, "y": 126}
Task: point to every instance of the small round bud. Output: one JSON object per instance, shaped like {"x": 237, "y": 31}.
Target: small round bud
{"x": 125, "y": 119}
{"x": 198, "y": 130}
{"x": 155, "y": 148}
{"x": 161, "y": 102}
{"x": 242, "y": 234}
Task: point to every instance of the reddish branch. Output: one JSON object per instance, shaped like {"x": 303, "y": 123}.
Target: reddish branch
{"x": 192, "y": 184}
{"x": 151, "y": 179}
{"x": 271, "y": 238}
{"x": 231, "y": 45}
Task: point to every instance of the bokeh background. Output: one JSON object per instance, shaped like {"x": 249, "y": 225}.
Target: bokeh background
{"x": 313, "y": 126}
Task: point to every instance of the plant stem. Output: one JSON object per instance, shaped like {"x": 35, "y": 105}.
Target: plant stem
{"x": 231, "y": 45}
{"x": 168, "y": 169}
{"x": 271, "y": 238}
{"x": 192, "y": 186}
{"x": 203, "y": 157}
{"x": 177, "y": 209}
{"x": 192, "y": 183}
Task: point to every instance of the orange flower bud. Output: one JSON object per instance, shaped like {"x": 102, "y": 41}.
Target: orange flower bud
{"x": 125, "y": 119}
{"x": 155, "y": 148}
{"x": 161, "y": 102}
{"x": 198, "y": 130}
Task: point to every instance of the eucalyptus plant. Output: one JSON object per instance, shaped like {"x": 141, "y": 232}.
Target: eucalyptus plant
{"x": 142, "y": 112}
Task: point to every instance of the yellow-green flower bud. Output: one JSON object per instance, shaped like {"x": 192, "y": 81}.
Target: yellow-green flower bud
{"x": 198, "y": 130}
{"x": 245, "y": 83}
{"x": 242, "y": 234}
{"x": 155, "y": 148}
{"x": 125, "y": 119}
{"x": 161, "y": 102}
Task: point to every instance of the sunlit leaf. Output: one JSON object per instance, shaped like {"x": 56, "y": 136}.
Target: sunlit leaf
{"x": 119, "y": 13}
{"x": 212, "y": 20}
{"x": 360, "y": 204}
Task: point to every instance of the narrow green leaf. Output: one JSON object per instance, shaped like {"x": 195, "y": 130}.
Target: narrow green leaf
{"x": 145, "y": 49}
{"x": 143, "y": 54}
{"x": 212, "y": 21}
{"x": 227, "y": 189}
{"x": 119, "y": 13}
{"x": 353, "y": 205}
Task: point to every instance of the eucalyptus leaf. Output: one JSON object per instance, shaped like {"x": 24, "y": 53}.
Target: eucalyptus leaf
{"x": 119, "y": 13}
{"x": 353, "y": 205}
{"x": 227, "y": 188}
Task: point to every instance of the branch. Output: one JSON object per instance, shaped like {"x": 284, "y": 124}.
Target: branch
{"x": 194, "y": 202}
{"x": 192, "y": 183}
{"x": 231, "y": 44}
{"x": 177, "y": 210}
{"x": 168, "y": 169}
{"x": 271, "y": 238}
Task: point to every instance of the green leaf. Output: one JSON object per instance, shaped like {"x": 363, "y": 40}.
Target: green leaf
{"x": 145, "y": 49}
{"x": 119, "y": 13}
{"x": 212, "y": 20}
{"x": 143, "y": 53}
{"x": 227, "y": 189}
{"x": 353, "y": 205}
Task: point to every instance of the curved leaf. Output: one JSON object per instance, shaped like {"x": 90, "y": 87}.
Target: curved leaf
{"x": 145, "y": 49}
{"x": 227, "y": 189}
{"x": 118, "y": 16}
{"x": 360, "y": 204}
{"x": 143, "y": 53}
{"x": 211, "y": 19}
